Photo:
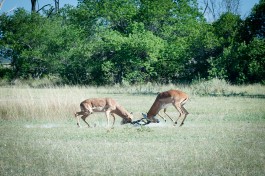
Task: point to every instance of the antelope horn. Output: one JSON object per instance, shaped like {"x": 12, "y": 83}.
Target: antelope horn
{"x": 141, "y": 120}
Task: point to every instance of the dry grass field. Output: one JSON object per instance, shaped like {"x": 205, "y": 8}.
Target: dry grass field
{"x": 223, "y": 135}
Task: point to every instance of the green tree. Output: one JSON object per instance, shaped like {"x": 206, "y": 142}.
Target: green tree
{"x": 254, "y": 25}
{"x": 40, "y": 46}
{"x": 226, "y": 28}
{"x": 133, "y": 41}
{"x": 128, "y": 58}
{"x": 178, "y": 23}
{"x": 242, "y": 56}
{"x": 256, "y": 65}
{"x": 20, "y": 36}
{"x": 225, "y": 64}
{"x": 116, "y": 14}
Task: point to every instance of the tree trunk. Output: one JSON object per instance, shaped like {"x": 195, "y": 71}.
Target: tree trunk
{"x": 56, "y": 6}
{"x": 33, "y": 5}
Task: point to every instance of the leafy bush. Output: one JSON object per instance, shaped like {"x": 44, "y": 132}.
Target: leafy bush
{"x": 6, "y": 73}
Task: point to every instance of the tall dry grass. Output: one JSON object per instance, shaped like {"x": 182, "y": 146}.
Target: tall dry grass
{"x": 28, "y": 103}
{"x": 23, "y": 102}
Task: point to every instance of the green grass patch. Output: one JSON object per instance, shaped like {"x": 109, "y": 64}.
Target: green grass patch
{"x": 39, "y": 136}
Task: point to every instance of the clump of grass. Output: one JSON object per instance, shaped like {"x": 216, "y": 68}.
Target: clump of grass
{"x": 144, "y": 129}
{"x": 48, "y": 81}
{"x": 210, "y": 87}
{"x": 220, "y": 87}
{"x": 142, "y": 89}
{"x": 253, "y": 90}
{"x": 29, "y": 103}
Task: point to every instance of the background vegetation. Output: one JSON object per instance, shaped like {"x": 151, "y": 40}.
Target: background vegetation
{"x": 131, "y": 42}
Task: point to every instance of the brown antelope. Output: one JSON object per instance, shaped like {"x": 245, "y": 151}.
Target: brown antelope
{"x": 107, "y": 105}
{"x": 175, "y": 97}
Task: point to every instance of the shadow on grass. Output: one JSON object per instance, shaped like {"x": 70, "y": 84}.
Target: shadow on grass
{"x": 261, "y": 96}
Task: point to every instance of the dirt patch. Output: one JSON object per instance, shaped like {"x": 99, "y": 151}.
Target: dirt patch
{"x": 49, "y": 125}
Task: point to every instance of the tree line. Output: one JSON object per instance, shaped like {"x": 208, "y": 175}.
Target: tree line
{"x": 133, "y": 41}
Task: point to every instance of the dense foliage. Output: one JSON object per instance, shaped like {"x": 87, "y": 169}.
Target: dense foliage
{"x": 133, "y": 41}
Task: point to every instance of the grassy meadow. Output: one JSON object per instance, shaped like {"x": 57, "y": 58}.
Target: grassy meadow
{"x": 224, "y": 134}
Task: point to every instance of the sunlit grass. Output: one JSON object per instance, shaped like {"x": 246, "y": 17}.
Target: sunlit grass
{"x": 218, "y": 149}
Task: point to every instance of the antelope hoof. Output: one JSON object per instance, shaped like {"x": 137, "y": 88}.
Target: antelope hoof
{"x": 181, "y": 124}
